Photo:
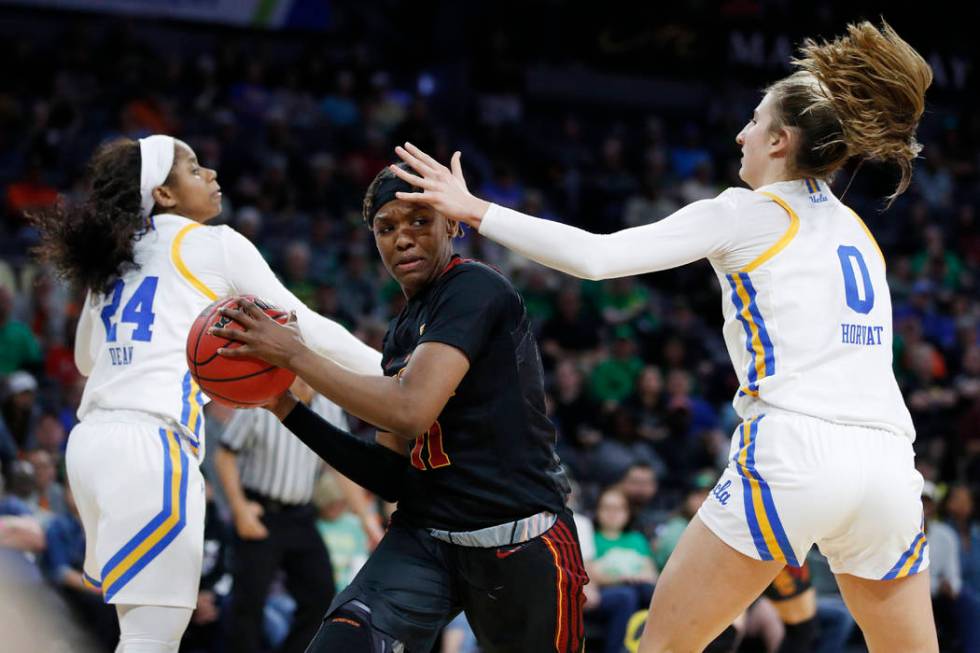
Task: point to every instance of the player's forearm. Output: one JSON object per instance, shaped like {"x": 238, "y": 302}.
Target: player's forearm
{"x": 326, "y": 337}
{"x": 692, "y": 233}
{"x": 378, "y": 400}
{"x": 368, "y": 464}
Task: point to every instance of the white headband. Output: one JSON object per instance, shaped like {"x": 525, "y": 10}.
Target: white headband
{"x": 156, "y": 159}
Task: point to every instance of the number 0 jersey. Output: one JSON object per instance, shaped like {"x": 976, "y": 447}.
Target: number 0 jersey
{"x": 808, "y": 322}
{"x": 131, "y": 339}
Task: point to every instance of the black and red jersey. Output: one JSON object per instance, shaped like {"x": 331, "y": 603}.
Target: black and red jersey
{"x": 490, "y": 456}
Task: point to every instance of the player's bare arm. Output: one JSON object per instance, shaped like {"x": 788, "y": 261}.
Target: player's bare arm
{"x": 405, "y": 405}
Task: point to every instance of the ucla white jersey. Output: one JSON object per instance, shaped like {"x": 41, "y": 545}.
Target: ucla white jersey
{"x": 138, "y": 332}
{"x": 808, "y": 321}
{"x": 131, "y": 341}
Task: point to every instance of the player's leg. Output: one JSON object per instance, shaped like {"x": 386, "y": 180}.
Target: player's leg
{"x": 150, "y": 530}
{"x": 151, "y": 628}
{"x": 526, "y": 597}
{"x": 705, "y": 585}
{"x": 401, "y": 597}
{"x": 895, "y": 615}
{"x": 744, "y": 533}
{"x": 881, "y": 559}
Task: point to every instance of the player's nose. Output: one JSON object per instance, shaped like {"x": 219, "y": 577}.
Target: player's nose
{"x": 404, "y": 238}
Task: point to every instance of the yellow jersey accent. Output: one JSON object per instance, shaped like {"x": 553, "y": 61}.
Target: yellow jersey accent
{"x": 169, "y": 523}
{"x": 182, "y": 268}
{"x": 867, "y": 231}
{"x": 794, "y": 227}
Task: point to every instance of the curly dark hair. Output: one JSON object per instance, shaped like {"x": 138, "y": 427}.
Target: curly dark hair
{"x": 91, "y": 244}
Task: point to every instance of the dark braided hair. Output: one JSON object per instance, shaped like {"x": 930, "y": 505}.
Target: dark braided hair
{"x": 92, "y": 244}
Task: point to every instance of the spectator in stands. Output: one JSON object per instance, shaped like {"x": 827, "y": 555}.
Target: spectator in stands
{"x": 572, "y": 331}
{"x": 49, "y": 494}
{"x": 19, "y": 412}
{"x": 944, "y": 567}
{"x": 19, "y": 349}
{"x": 961, "y": 516}
{"x": 62, "y": 563}
{"x": 623, "y": 564}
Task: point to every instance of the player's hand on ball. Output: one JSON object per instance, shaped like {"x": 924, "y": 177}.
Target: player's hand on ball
{"x": 444, "y": 189}
{"x": 281, "y": 405}
{"x": 261, "y": 336}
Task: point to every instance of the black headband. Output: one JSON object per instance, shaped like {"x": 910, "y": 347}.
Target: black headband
{"x": 385, "y": 192}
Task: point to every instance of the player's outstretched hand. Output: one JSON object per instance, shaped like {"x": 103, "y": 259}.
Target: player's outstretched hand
{"x": 443, "y": 189}
{"x": 261, "y": 336}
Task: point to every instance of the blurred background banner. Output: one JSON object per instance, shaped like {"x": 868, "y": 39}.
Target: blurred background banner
{"x": 271, "y": 14}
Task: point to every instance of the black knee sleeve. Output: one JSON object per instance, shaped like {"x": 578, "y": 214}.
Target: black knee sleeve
{"x": 799, "y": 637}
{"x": 348, "y": 629}
{"x": 724, "y": 642}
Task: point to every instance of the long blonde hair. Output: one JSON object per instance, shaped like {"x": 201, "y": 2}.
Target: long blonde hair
{"x": 860, "y": 95}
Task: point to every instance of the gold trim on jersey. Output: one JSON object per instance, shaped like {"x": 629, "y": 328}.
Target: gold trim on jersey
{"x": 182, "y": 268}
{"x": 794, "y": 227}
{"x": 867, "y": 231}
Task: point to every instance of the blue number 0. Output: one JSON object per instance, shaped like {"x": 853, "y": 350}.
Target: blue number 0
{"x": 861, "y": 299}
{"x": 138, "y": 310}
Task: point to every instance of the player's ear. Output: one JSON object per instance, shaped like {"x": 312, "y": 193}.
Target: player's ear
{"x": 782, "y": 141}
{"x": 453, "y": 228}
{"x": 164, "y": 196}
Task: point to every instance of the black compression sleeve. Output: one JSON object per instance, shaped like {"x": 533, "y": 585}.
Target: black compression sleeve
{"x": 377, "y": 468}
{"x": 800, "y": 638}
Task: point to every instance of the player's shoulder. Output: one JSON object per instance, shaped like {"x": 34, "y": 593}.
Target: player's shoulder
{"x": 737, "y": 198}
{"x": 470, "y": 275}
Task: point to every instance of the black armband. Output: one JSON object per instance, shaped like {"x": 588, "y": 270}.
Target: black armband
{"x": 377, "y": 468}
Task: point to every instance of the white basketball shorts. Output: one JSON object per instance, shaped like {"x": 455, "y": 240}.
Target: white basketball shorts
{"x": 140, "y": 496}
{"x": 793, "y": 481}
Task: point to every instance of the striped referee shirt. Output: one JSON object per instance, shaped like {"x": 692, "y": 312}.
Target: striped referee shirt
{"x": 271, "y": 460}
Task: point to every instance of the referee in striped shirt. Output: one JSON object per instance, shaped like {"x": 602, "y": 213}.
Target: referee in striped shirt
{"x": 268, "y": 476}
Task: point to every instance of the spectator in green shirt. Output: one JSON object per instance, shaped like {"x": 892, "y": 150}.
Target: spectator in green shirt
{"x": 613, "y": 379}
{"x": 670, "y": 532}
{"x": 18, "y": 346}
{"x": 623, "y": 566}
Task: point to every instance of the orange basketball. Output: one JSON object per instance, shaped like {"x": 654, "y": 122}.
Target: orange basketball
{"x": 236, "y": 382}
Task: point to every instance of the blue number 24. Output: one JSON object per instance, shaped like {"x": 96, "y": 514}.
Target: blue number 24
{"x": 861, "y": 299}
{"x": 138, "y": 310}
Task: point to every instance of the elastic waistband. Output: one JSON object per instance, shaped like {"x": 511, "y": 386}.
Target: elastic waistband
{"x": 512, "y": 532}
{"x": 105, "y": 416}
{"x": 772, "y": 411}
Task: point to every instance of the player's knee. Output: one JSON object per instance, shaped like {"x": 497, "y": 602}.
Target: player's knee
{"x": 349, "y": 628}
{"x": 151, "y": 628}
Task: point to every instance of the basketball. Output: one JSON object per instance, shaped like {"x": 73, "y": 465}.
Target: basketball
{"x": 238, "y": 382}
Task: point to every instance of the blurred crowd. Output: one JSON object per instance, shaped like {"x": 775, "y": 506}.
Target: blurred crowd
{"x": 640, "y": 383}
